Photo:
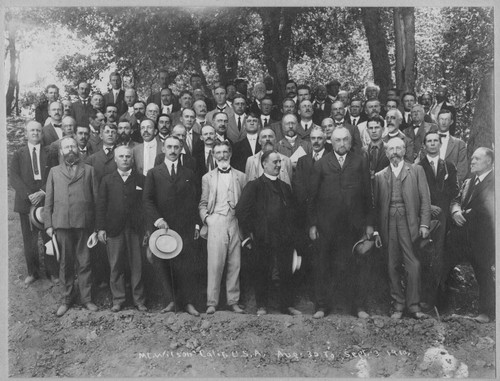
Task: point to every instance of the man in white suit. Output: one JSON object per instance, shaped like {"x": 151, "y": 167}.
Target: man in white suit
{"x": 221, "y": 189}
{"x": 254, "y": 169}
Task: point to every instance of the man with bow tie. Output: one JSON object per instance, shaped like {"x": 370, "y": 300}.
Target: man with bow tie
{"x": 116, "y": 95}
{"x": 321, "y": 105}
{"x": 266, "y": 213}
{"x": 417, "y": 130}
{"x": 266, "y": 108}
{"x": 403, "y": 205}
{"x": 220, "y": 96}
{"x": 200, "y": 109}
{"x": 71, "y": 194}
{"x": 28, "y": 174}
{"x": 340, "y": 212}
{"x": 452, "y": 149}
{"x": 145, "y": 153}
{"x": 103, "y": 160}
{"x": 249, "y": 146}
{"x": 443, "y": 186}
{"x": 305, "y": 119}
{"x": 119, "y": 223}
{"x": 53, "y": 130}
{"x": 170, "y": 201}
{"x": 221, "y": 189}
{"x": 473, "y": 229}
{"x": 82, "y": 107}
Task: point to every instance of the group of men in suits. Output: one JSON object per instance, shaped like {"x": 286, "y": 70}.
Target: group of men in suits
{"x": 326, "y": 175}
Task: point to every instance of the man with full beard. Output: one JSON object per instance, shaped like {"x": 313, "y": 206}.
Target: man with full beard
{"x": 71, "y": 193}
{"x": 124, "y": 135}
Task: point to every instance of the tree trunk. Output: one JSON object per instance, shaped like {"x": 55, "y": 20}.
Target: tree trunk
{"x": 483, "y": 122}
{"x": 277, "y": 30}
{"x": 12, "y": 31}
{"x": 379, "y": 54}
{"x": 404, "y": 35}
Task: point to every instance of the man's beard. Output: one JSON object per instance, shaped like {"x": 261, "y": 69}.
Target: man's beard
{"x": 123, "y": 139}
{"x": 71, "y": 158}
{"x": 223, "y": 164}
{"x": 139, "y": 115}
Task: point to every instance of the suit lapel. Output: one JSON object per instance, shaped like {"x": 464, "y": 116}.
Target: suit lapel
{"x": 450, "y": 148}
{"x": 404, "y": 171}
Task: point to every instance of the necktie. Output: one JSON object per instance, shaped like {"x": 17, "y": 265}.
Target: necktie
{"x": 354, "y": 121}
{"x": 341, "y": 161}
{"x": 265, "y": 121}
{"x": 408, "y": 119}
{"x": 109, "y": 151}
{"x": 433, "y": 166}
{"x": 189, "y": 141}
{"x": 470, "y": 192}
{"x": 71, "y": 170}
{"x": 115, "y": 95}
{"x": 373, "y": 157}
{"x": 172, "y": 172}
{"x": 35, "y": 162}
{"x": 239, "y": 123}
{"x": 202, "y": 123}
{"x": 210, "y": 161}
{"x": 315, "y": 157}
{"x": 305, "y": 127}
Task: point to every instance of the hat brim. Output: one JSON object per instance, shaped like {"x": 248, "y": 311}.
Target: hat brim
{"x": 92, "y": 241}
{"x": 362, "y": 247}
{"x": 34, "y": 221}
{"x": 55, "y": 246}
{"x": 157, "y": 252}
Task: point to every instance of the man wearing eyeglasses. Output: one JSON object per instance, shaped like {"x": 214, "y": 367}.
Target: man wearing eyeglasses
{"x": 221, "y": 189}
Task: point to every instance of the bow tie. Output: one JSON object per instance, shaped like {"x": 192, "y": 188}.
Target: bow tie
{"x": 221, "y": 108}
{"x": 224, "y": 170}
{"x": 443, "y": 135}
{"x": 339, "y": 123}
{"x": 57, "y": 125}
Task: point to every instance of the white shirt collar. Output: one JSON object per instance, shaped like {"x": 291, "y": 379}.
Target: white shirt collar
{"x": 220, "y": 137}
{"x": 434, "y": 159}
{"x": 169, "y": 163}
{"x": 319, "y": 154}
{"x": 481, "y": 178}
{"x": 270, "y": 177}
{"x": 252, "y": 136}
{"x": 30, "y": 146}
{"x": 125, "y": 174}
{"x": 397, "y": 169}
{"x": 343, "y": 156}
{"x": 291, "y": 140}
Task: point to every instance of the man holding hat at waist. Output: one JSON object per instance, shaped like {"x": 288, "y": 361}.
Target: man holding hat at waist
{"x": 118, "y": 220}
{"x": 170, "y": 200}
{"x": 28, "y": 175}
{"x": 69, "y": 213}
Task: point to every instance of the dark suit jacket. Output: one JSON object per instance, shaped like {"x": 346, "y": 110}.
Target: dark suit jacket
{"x": 102, "y": 164}
{"x": 120, "y": 101}
{"x": 42, "y": 112}
{"x": 185, "y": 160}
{"x": 444, "y": 185}
{"x": 340, "y": 195}
{"x": 49, "y": 134}
{"x": 362, "y": 118}
{"x": 70, "y": 200}
{"x": 241, "y": 152}
{"x": 381, "y": 162}
{"x": 258, "y": 215}
{"x": 174, "y": 200}
{"x": 356, "y": 144}
{"x": 22, "y": 177}
{"x": 417, "y": 140}
{"x": 254, "y": 107}
{"x": 318, "y": 114}
{"x": 81, "y": 112}
{"x": 119, "y": 203}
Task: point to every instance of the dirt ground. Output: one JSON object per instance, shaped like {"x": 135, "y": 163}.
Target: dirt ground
{"x": 131, "y": 343}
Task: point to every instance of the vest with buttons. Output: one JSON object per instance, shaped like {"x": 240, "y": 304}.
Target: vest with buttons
{"x": 224, "y": 197}
{"x": 396, "y": 190}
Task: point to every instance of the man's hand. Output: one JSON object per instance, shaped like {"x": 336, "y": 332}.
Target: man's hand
{"x": 369, "y": 231}
{"x": 458, "y": 218}
{"x": 162, "y": 225}
{"x": 313, "y": 233}
{"x": 196, "y": 233}
{"x": 435, "y": 210}
{"x": 378, "y": 242}
{"x": 424, "y": 232}
{"x": 37, "y": 197}
{"x": 101, "y": 236}
{"x": 49, "y": 232}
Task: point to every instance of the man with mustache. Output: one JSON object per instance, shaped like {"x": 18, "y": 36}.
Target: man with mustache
{"x": 221, "y": 190}
{"x": 291, "y": 142}
{"x": 53, "y": 130}
{"x": 338, "y": 115}
{"x": 372, "y": 109}
{"x": 145, "y": 153}
{"x": 124, "y": 134}
{"x": 200, "y": 110}
{"x": 417, "y": 130}
{"x": 393, "y": 120}
{"x": 82, "y": 107}
{"x": 71, "y": 193}
{"x": 403, "y": 205}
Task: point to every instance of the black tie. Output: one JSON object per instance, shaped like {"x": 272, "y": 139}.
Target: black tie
{"x": 239, "y": 123}
{"x": 57, "y": 125}
{"x": 305, "y": 127}
{"x": 35, "y": 162}
{"x": 470, "y": 192}
{"x": 109, "y": 152}
{"x": 224, "y": 170}
{"x": 221, "y": 109}
{"x": 172, "y": 172}
{"x": 442, "y": 136}
{"x": 265, "y": 121}
{"x": 202, "y": 123}
{"x": 338, "y": 123}
{"x": 373, "y": 157}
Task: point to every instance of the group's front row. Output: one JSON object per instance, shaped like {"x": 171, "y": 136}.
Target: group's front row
{"x": 341, "y": 203}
